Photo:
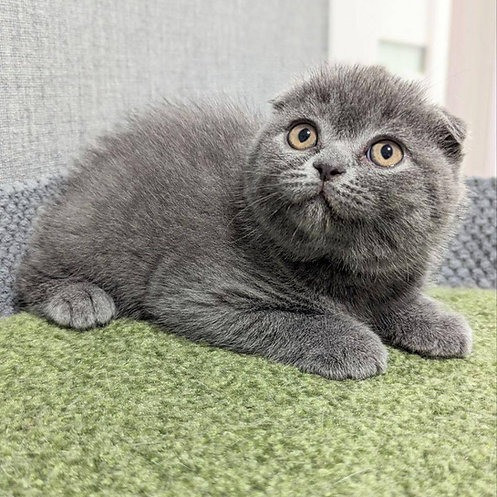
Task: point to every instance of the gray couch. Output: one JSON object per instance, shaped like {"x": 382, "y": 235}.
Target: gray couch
{"x": 69, "y": 70}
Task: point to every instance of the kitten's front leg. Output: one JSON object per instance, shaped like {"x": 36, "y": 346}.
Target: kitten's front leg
{"x": 333, "y": 345}
{"x": 240, "y": 313}
{"x": 422, "y": 325}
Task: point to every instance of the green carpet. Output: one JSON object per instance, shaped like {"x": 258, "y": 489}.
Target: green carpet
{"x": 128, "y": 410}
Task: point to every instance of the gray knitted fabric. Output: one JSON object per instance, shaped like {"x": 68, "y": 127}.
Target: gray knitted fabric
{"x": 470, "y": 261}
{"x": 19, "y": 203}
{"x": 471, "y": 258}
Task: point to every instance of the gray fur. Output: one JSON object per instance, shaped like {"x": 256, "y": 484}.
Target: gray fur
{"x": 201, "y": 219}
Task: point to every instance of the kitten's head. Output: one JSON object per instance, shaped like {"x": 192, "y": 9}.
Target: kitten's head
{"x": 354, "y": 165}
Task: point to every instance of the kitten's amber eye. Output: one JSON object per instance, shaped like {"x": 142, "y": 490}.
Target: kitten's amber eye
{"x": 302, "y": 136}
{"x": 385, "y": 153}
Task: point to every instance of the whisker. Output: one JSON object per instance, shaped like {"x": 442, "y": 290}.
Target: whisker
{"x": 252, "y": 204}
{"x": 359, "y": 197}
{"x": 353, "y": 201}
{"x": 353, "y": 188}
{"x": 296, "y": 229}
{"x": 286, "y": 173}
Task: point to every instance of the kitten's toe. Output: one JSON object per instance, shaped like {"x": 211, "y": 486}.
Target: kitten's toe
{"x": 450, "y": 336}
{"x": 351, "y": 357}
{"x": 453, "y": 338}
{"x": 80, "y": 306}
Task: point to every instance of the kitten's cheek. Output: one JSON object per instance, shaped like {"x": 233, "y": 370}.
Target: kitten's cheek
{"x": 310, "y": 218}
{"x": 300, "y": 193}
{"x": 309, "y": 172}
{"x": 302, "y": 184}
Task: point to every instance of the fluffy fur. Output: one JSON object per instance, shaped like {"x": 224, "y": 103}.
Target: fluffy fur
{"x": 207, "y": 222}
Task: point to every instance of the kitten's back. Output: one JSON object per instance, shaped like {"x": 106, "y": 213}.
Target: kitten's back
{"x": 166, "y": 184}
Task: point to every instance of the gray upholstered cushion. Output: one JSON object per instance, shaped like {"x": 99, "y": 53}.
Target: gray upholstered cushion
{"x": 470, "y": 260}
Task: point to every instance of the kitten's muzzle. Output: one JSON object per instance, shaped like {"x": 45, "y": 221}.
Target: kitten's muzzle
{"x": 328, "y": 171}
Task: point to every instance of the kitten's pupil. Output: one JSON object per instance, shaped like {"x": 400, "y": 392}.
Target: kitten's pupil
{"x": 386, "y": 151}
{"x": 304, "y": 135}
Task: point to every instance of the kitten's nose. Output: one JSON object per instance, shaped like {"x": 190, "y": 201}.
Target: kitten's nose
{"x": 327, "y": 171}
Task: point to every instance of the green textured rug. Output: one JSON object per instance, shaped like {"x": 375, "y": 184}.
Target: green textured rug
{"x": 128, "y": 410}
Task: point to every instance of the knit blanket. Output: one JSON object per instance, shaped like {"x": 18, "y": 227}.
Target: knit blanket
{"x": 470, "y": 260}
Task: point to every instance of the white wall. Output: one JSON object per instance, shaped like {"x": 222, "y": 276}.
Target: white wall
{"x": 471, "y": 80}
{"x": 410, "y": 38}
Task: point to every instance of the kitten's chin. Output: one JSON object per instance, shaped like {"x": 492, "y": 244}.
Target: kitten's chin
{"x": 326, "y": 204}
{"x": 316, "y": 220}
{"x": 330, "y": 212}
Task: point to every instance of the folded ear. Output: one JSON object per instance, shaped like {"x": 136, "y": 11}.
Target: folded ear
{"x": 278, "y": 102}
{"x": 282, "y": 99}
{"x": 452, "y": 133}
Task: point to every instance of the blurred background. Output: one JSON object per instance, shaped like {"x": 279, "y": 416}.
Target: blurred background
{"x": 70, "y": 70}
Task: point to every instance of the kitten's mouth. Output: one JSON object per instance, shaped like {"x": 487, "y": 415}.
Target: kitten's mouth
{"x": 324, "y": 197}
{"x": 335, "y": 205}
{"x": 327, "y": 200}
{"x": 330, "y": 210}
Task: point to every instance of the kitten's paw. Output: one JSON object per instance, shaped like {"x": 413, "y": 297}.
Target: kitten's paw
{"x": 351, "y": 356}
{"x": 80, "y": 306}
{"x": 447, "y": 335}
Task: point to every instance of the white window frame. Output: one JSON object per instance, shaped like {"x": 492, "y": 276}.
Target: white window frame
{"x": 355, "y": 32}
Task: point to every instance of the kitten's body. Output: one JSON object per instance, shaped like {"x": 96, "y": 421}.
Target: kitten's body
{"x": 179, "y": 220}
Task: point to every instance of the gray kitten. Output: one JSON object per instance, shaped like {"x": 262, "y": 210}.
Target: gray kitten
{"x": 306, "y": 239}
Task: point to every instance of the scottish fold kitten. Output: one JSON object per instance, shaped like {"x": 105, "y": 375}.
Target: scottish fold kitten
{"x": 305, "y": 237}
